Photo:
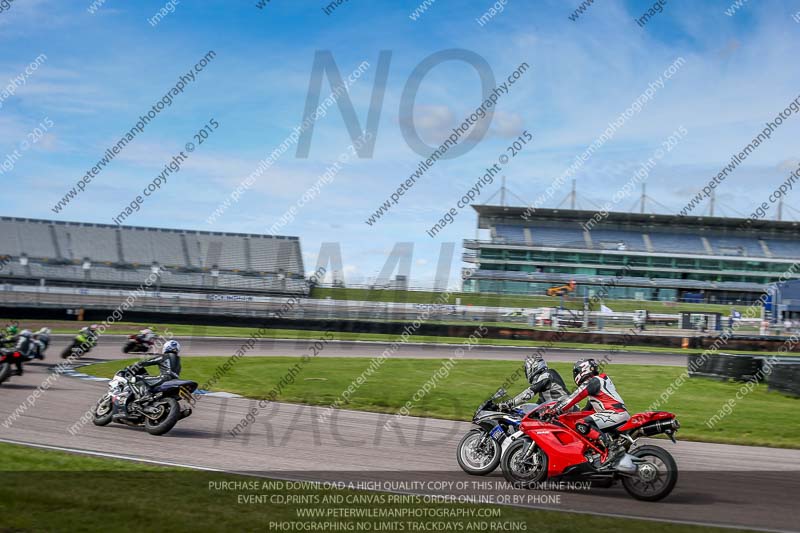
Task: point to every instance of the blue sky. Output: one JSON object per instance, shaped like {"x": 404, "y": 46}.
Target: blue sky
{"x": 105, "y": 69}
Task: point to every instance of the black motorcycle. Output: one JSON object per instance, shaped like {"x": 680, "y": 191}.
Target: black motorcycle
{"x": 17, "y": 352}
{"x": 480, "y": 450}
{"x": 131, "y": 401}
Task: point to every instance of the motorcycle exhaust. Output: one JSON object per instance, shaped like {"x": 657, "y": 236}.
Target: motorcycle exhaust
{"x": 186, "y": 412}
{"x": 662, "y": 426}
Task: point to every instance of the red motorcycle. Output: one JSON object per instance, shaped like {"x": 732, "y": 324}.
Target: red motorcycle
{"x": 554, "y": 448}
{"x": 8, "y": 358}
{"x": 138, "y": 344}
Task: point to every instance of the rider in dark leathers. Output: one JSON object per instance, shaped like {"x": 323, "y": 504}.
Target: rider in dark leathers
{"x": 169, "y": 364}
{"x": 545, "y": 382}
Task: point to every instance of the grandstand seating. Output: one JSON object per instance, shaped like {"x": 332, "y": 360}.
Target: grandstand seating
{"x": 548, "y": 236}
{"x": 57, "y": 250}
{"x": 612, "y": 239}
{"x": 783, "y": 248}
{"x": 508, "y": 233}
{"x": 144, "y": 246}
{"x": 633, "y": 240}
{"x": 79, "y": 242}
{"x": 736, "y": 246}
{"x": 9, "y": 241}
{"x": 677, "y": 243}
{"x": 36, "y": 239}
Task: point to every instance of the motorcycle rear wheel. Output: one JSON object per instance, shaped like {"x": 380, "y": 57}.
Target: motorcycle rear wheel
{"x": 167, "y": 420}
{"x": 102, "y": 412}
{"x": 656, "y": 478}
{"x": 5, "y": 371}
{"x": 467, "y": 454}
{"x": 521, "y": 475}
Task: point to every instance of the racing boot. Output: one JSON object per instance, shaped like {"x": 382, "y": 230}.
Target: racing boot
{"x": 615, "y": 451}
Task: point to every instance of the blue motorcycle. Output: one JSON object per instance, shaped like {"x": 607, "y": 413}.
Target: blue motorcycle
{"x": 480, "y": 450}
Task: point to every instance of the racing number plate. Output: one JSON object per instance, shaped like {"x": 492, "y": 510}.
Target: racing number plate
{"x": 497, "y": 433}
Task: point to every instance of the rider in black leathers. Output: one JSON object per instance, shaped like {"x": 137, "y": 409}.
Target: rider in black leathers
{"x": 169, "y": 365}
{"x": 545, "y": 382}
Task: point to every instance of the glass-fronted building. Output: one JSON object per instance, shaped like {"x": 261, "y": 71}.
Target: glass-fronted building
{"x": 629, "y": 255}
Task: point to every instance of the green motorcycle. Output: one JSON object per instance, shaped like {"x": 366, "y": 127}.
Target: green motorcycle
{"x": 81, "y": 345}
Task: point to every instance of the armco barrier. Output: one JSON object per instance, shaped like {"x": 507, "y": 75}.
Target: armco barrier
{"x": 785, "y": 377}
{"x": 725, "y": 366}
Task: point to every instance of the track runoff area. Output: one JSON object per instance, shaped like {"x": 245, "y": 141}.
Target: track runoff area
{"x": 311, "y": 466}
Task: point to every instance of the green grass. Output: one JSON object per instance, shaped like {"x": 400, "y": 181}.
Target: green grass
{"x": 182, "y": 330}
{"x": 45, "y": 490}
{"x": 761, "y": 418}
{"x": 507, "y": 300}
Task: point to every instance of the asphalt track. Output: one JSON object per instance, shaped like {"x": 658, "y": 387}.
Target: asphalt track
{"x": 109, "y": 348}
{"x": 735, "y": 486}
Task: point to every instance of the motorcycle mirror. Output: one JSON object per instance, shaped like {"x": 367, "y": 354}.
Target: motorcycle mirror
{"x": 500, "y": 393}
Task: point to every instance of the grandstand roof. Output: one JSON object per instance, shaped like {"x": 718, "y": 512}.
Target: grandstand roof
{"x": 488, "y": 215}
{"x": 150, "y": 228}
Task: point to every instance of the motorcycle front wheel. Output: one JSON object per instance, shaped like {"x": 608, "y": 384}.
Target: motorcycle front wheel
{"x": 128, "y": 347}
{"x": 5, "y": 371}
{"x": 655, "y": 477}
{"x": 169, "y": 417}
{"x": 102, "y": 411}
{"x": 478, "y": 454}
{"x": 521, "y": 471}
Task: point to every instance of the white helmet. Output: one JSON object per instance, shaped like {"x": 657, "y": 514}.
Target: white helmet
{"x": 171, "y": 347}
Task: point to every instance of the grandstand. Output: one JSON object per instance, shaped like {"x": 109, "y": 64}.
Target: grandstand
{"x": 664, "y": 257}
{"x": 100, "y": 255}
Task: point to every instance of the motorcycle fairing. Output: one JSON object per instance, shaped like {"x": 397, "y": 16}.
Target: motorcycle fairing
{"x": 167, "y": 386}
{"x": 564, "y": 448}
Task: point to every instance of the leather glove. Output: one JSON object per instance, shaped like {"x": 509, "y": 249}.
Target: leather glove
{"x": 549, "y": 414}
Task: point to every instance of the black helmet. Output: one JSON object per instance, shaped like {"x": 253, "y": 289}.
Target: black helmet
{"x": 533, "y": 367}
{"x": 584, "y": 369}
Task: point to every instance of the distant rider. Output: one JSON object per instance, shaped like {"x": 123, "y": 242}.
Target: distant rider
{"x": 169, "y": 364}
{"x": 90, "y": 335}
{"x": 545, "y": 382}
{"x": 146, "y": 335}
{"x": 90, "y": 332}
{"x": 24, "y": 347}
{"x": 610, "y": 411}
{"x": 32, "y": 345}
{"x": 41, "y": 340}
{"x": 8, "y": 336}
